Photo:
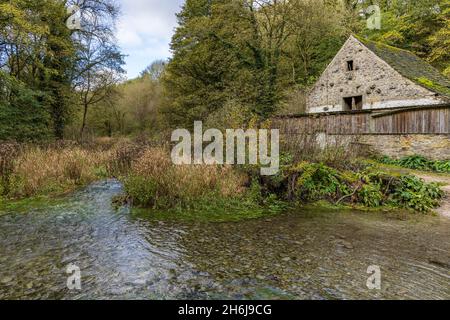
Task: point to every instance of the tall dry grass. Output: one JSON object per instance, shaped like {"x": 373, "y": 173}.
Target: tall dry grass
{"x": 151, "y": 179}
{"x": 155, "y": 181}
{"x": 43, "y": 170}
{"x": 29, "y": 170}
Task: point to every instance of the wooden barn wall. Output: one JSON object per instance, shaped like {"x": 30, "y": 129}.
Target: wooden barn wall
{"x": 413, "y": 121}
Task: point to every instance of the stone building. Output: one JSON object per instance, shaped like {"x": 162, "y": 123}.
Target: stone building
{"x": 367, "y": 75}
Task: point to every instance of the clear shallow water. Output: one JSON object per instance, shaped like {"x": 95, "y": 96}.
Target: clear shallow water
{"x": 298, "y": 255}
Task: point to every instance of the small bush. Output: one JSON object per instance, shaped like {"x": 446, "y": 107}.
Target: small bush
{"x": 143, "y": 191}
{"x": 371, "y": 195}
{"x": 154, "y": 181}
{"x": 315, "y": 181}
{"x": 334, "y": 151}
{"x": 412, "y": 192}
{"x": 122, "y": 156}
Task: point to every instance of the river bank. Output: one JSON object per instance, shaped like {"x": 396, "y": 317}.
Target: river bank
{"x": 299, "y": 254}
{"x": 334, "y": 176}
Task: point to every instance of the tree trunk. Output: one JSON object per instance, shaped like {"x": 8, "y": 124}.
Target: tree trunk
{"x": 83, "y": 125}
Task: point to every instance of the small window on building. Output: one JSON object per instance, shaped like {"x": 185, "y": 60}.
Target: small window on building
{"x": 353, "y": 103}
{"x": 350, "y": 65}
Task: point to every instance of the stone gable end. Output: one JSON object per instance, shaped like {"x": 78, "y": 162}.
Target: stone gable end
{"x": 359, "y": 74}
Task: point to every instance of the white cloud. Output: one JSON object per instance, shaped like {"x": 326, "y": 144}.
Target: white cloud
{"x": 127, "y": 38}
{"x": 145, "y": 30}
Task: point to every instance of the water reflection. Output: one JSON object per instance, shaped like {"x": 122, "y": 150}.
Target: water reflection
{"x": 298, "y": 255}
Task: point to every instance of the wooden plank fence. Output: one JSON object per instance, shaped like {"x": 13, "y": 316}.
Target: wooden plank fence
{"x": 415, "y": 120}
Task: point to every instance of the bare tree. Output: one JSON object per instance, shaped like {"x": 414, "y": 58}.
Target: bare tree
{"x": 99, "y": 61}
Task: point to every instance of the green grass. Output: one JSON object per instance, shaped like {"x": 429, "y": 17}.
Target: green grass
{"x": 24, "y": 205}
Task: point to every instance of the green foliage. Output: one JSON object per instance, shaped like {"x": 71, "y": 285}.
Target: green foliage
{"x": 132, "y": 108}
{"x": 248, "y": 53}
{"x": 441, "y": 166}
{"x": 418, "y": 162}
{"x": 420, "y": 26}
{"x": 36, "y": 51}
{"x": 363, "y": 185}
{"x": 411, "y": 192}
{"x": 232, "y": 115}
{"x": 370, "y": 195}
{"x": 22, "y": 116}
{"x": 42, "y": 61}
{"x": 144, "y": 192}
{"x": 414, "y": 162}
{"x": 315, "y": 181}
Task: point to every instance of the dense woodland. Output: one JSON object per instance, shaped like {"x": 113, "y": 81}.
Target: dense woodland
{"x": 234, "y": 62}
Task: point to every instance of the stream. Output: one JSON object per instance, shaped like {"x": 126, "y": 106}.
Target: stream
{"x": 301, "y": 254}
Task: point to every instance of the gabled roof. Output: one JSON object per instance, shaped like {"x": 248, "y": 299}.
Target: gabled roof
{"x": 410, "y": 66}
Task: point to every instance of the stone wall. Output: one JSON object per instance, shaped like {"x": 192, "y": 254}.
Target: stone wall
{"x": 434, "y": 147}
{"x": 372, "y": 78}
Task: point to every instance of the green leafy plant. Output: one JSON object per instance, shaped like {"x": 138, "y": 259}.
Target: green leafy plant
{"x": 369, "y": 187}
{"x": 441, "y": 166}
{"x": 371, "y": 195}
{"x": 417, "y": 162}
{"x": 412, "y": 192}
{"x": 315, "y": 181}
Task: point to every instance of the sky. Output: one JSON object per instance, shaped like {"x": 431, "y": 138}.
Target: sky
{"x": 144, "y": 31}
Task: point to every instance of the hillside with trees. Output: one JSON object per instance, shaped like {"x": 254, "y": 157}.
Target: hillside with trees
{"x": 49, "y": 71}
{"x": 234, "y": 62}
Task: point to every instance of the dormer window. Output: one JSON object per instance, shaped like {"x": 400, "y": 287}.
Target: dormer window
{"x": 350, "y": 65}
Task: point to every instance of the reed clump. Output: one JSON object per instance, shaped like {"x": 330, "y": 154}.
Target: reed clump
{"x": 154, "y": 181}
{"x": 60, "y": 167}
{"x": 39, "y": 170}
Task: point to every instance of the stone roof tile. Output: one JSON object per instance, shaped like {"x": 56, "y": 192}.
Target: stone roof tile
{"x": 410, "y": 66}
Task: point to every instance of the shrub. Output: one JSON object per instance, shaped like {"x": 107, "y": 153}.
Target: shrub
{"x": 441, "y": 166}
{"x": 334, "y": 151}
{"x": 371, "y": 195}
{"x": 24, "y": 115}
{"x": 122, "y": 156}
{"x": 414, "y": 162}
{"x": 412, "y": 192}
{"x": 315, "y": 181}
{"x": 143, "y": 191}
{"x": 154, "y": 181}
